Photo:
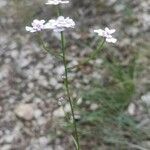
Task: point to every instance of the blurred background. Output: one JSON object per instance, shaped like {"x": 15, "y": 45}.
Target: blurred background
{"x": 111, "y": 93}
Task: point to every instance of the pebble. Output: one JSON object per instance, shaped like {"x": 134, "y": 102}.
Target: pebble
{"x": 8, "y": 138}
{"x": 43, "y": 141}
{"x": 24, "y": 111}
{"x": 146, "y": 144}
{"x": 37, "y": 113}
{"x": 60, "y": 70}
{"x": 67, "y": 108}
{"x": 146, "y": 99}
{"x": 132, "y": 109}
{"x": 53, "y": 82}
{"x": 59, "y": 112}
{"x": 6, "y": 147}
{"x": 41, "y": 121}
{"x": 93, "y": 106}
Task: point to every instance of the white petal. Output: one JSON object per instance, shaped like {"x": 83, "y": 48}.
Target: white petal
{"x": 109, "y": 31}
{"x": 64, "y": 2}
{"x": 112, "y": 31}
{"x": 59, "y": 29}
{"x": 35, "y": 21}
{"x": 111, "y": 40}
{"x": 47, "y": 26}
{"x": 51, "y": 24}
{"x": 42, "y": 21}
{"x": 30, "y": 29}
{"x": 60, "y": 18}
{"x": 56, "y": 2}
{"x": 100, "y": 32}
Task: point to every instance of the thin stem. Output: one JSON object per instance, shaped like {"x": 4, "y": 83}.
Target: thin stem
{"x": 92, "y": 55}
{"x": 59, "y": 11}
{"x": 66, "y": 82}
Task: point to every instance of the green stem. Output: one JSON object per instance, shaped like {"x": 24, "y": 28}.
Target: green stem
{"x": 92, "y": 55}
{"x": 66, "y": 82}
{"x": 59, "y": 11}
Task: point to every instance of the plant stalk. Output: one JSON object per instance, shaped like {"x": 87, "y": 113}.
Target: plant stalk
{"x": 66, "y": 82}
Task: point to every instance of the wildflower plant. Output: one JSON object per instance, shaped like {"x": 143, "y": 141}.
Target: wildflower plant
{"x": 60, "y": 25}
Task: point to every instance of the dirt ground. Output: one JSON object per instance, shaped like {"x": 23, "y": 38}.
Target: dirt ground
{"x": 31, "y": 80}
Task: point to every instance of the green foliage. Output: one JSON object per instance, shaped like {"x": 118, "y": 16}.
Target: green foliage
{"x": 109, "y": 123}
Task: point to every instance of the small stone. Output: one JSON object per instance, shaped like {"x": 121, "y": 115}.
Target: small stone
{"x": 58, "y": 147}
{"x": 99, "y": 61}
{"x": 6, "y": 147}
{"x": 24, "y": 111}
{"x": 146, "y": 99}
{"x": 53, "y": 82}
{"x": 41, "y": 121}
{"x": 14, "y": 53}
{"x": 67, "y": 108}
{"x": 60, "y": 70}
{"x": 93, "y": 106}
{"x": 77, "y": 117}
{"x": 31, "y": 85}
{"x": 9, "y": 138}
{"x": 132, "y": 109}
{"x": 37, "y": 113}
{"x": 24, "y": 63}
{"x": 146, "y": 144}
{"x": 43, "y": 141}
{"x": 79, "y": 101}
{"x": 37, "y": 100}
{"x": 59, "y": 112}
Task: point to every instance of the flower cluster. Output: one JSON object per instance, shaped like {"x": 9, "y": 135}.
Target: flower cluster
{"x": 106, "y": 33}
{"x": 56, "y": 2}
{"x": 37, "y": 25}
{"x": 57, "y": 25}
{"x": 60, "y": 24}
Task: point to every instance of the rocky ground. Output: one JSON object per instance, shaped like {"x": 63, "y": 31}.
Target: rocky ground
{"x": 31, "y": 80}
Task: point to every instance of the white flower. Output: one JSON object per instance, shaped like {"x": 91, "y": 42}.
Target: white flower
{"x": 60, "y": 24}
{"x": 37, "y": 25}
{"x": 50, "y": 24}
{"x": 107, "y": 34}
{"x": 56, "y": 2}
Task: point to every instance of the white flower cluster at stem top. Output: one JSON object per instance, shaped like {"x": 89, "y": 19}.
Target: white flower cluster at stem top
{"x": 57, "y": 25}
{"x": 61, "y": 23}
{"x": 107, "y": 34}
{"x": 56, "y": 2}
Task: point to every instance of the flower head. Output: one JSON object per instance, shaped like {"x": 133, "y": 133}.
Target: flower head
{"x": 37, "y": 25}
{"x": 56, "y": 2}
{"x": 60, "y": 24}
{"x": 106, "y": 33}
